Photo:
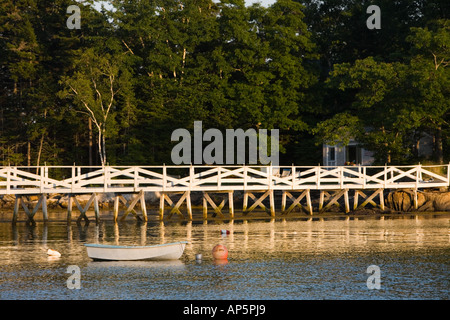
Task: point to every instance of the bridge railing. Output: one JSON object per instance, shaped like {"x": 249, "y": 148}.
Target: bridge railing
{"x": 81, "y": 179}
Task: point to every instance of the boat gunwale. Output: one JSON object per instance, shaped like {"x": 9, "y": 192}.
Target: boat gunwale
{"x": 110, "y": 246}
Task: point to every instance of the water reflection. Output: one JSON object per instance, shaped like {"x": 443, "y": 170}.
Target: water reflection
{"x": 267, "y": 235}
{"x": 173, "y": 264}
{"x": 314, "y": 257}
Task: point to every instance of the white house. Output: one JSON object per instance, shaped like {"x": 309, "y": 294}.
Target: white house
{"x": 353, "y": 153}
{"x": 339, "y": 155}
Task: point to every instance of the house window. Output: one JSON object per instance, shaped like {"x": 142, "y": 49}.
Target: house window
{"x": 331, "y": 153}
{"x": 353, "y": 154}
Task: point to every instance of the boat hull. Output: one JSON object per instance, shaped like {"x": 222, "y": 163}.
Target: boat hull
{"x": 168, "y": 251}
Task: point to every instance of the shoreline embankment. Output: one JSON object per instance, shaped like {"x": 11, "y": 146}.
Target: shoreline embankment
{"x": 395, "y": 201}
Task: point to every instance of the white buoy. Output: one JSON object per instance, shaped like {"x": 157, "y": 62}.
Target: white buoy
{"x": 53, "y": 253}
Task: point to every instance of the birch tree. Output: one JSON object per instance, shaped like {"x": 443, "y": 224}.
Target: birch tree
{"x": 95, "y": 86}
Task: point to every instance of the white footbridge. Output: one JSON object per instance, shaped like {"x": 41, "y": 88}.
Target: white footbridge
{"x": 292, "y": 182}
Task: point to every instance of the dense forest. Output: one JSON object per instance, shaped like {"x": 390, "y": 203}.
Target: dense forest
{"x": 114, "y": 90}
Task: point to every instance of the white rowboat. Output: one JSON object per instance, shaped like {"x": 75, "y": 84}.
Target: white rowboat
{"x": 167, "y": 251}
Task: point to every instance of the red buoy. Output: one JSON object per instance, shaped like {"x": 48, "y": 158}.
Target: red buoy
{"x": 220, "y": 252}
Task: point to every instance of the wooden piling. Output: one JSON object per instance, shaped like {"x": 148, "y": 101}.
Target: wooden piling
{"x": 69, "y": 208}
{"x": 186, "y": 196}
{"x": 143, "y": 206}
{"x": 161, "y": 206}
{"x": 368, "y": 199}
{"x": 416, "y": 202}
{"x": 296, "y": 201}
{"x": 92, "y": 199}
{"x": 218, "y": 209}
{"x": 259, "y": 201}
{"x": 42, "y": 202}
{"x": 16, "y": 208}
{"x": 140, "y": 197}
{"x": 116, "y": 207}
{"x": 322, "y": 199}
{"x": 334, "y": 200}
{"x": 231, "y": 203}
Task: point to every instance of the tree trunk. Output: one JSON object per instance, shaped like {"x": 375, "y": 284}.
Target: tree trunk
{"x": 90, "y": 141}
{"x": 39, "y": 152}
{"x": 439, "y": 154}
{"x": 104, "y": 147}
{"x": 388, "y": 153}
{"x": 41, "y": 143}
{"x": 100, "y": 153}
{"x": 29, "y": 153}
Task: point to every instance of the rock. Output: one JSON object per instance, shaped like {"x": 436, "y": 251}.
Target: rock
{"x": 428, "y": 206}
{"x": 442, "y": 202}
{"x": 81, "y": 198}
{"x": 421, "y": 199}
{"x": 400, "y": 200}
{"x": 403, "y": 200}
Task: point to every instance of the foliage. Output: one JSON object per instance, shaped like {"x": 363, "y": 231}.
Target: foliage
{"x": 114, "y": 90}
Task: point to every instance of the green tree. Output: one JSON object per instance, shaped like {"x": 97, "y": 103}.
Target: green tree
{"x": 396, "y": 103}
{"x": 96, "y": 86}
{"x": 226, "y": 64}
{"x": 430, "y": 77}
{"x": 382, "y": 107}
{"x": 19, "y": 51}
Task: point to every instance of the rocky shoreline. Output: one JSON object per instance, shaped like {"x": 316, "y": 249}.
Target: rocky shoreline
{"x": 396, "y": 201}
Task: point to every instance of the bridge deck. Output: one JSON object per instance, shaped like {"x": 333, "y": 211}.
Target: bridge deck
{"x": 79, "y": 180}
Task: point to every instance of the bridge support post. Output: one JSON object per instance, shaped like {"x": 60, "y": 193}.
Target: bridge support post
{"x": 296, "y": 201}
{"x": 416, "y": 201}
{"x": 259, "y": 201}
{"x": 92, "y": 199}
{"x": 30, "y": 214}
{"x": 217, "y": 209}
{"x": 140, "y": 197}
{"x": 186, "y": 196}
{"x": 369, "y": 199}
{"x": 334, "y": 200}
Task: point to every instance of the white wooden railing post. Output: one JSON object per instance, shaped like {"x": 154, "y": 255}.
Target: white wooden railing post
{"x": 219, "y": 178}
{"x": 418, "y": 173}
{"x": 318, "y": 176}
{"x": 73, "y": 179}
{"x": 293, "y": 177}
{"x": 8, "y": 179}
{"x": 245, "y": 176}
{"x": 105, "y": 178}
{"x": 79, "y": 174}
{"x": 42, "y": 174}
{"x": 269, "y": 176}
{"x": 359, "y": 171}
{"x": 136, "y": 174}
{"x": 191, "y": 177}
{"x": 14, "y": 174}
{"x": 364, "y": 177}
{"x": 448, "y": 174}
{"x": 164, "y": 178}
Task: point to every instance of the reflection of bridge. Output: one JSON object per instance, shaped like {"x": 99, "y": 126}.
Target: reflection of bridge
{"x": 170, "y": 180}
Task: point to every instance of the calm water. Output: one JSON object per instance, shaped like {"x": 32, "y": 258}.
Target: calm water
{"x": 268, "y": 259}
